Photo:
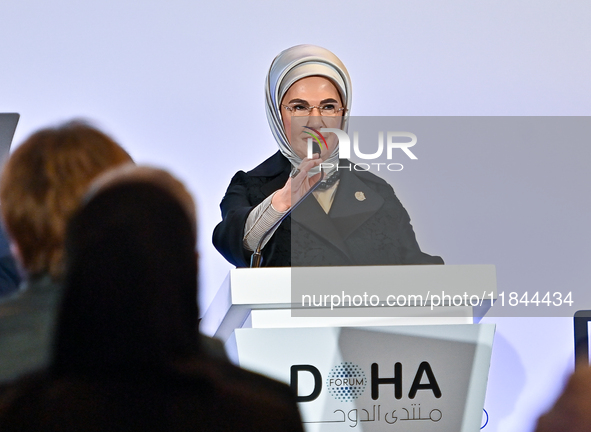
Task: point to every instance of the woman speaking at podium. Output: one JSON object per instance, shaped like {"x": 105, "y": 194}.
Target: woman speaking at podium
{"x": 350, "y": 218}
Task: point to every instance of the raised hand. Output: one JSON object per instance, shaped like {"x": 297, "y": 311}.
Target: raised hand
{"x": 297, "y": 186}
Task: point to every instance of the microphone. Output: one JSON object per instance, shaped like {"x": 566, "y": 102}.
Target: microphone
{"x": 256, "y": 260}
{"x": 316, "y": 148}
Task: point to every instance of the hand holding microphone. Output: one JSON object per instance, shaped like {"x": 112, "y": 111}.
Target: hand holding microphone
{"x": 298, "y": 184}
{"x": 296, "y": 189}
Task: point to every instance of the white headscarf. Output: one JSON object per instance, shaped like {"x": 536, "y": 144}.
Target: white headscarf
{"x": 291, "y": 65}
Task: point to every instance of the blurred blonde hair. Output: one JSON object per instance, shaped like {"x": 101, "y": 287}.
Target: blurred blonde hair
{"x": 43, "y": 183}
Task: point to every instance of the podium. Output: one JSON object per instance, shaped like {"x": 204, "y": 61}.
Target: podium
{"x": 373, "y": 365}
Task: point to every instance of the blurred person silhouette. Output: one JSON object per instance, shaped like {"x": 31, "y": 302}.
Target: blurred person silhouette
{"x": 41, "y": 186}
{"x": 127, "y": 356}
{"x": 161, "y": 178}
{"x": 572, "y": 410}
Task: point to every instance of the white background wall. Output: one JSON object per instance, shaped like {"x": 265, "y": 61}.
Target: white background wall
{"x": 180, "y": 85}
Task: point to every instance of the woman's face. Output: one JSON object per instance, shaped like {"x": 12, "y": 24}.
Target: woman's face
{"x": 307, "y": 92}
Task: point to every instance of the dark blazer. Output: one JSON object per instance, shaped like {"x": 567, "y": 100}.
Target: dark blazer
{"x": 366, "y": 225}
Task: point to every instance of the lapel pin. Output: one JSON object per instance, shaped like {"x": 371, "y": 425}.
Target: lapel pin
{"x": 360, "y": 196}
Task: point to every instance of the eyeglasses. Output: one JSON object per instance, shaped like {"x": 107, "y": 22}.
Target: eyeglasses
{"x": 327, "y": 109}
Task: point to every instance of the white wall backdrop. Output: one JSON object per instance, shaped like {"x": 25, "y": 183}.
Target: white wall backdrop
{"x": 180, "y": 85}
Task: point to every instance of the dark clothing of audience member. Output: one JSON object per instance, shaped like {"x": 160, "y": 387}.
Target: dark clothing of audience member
{"x": 9, "y": 276}
{"x": 127, "y": 354}
{"x": 27, "y": 324}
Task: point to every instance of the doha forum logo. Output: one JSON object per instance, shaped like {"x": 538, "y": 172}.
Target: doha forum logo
{"x": 346, "y": 382}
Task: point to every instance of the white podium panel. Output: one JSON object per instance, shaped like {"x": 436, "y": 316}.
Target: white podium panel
{"x": 411, "y": 378}
{"x": 282, "y": 318}
{"x": 378, "y": 367}
{"x": 247, "y": 294}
